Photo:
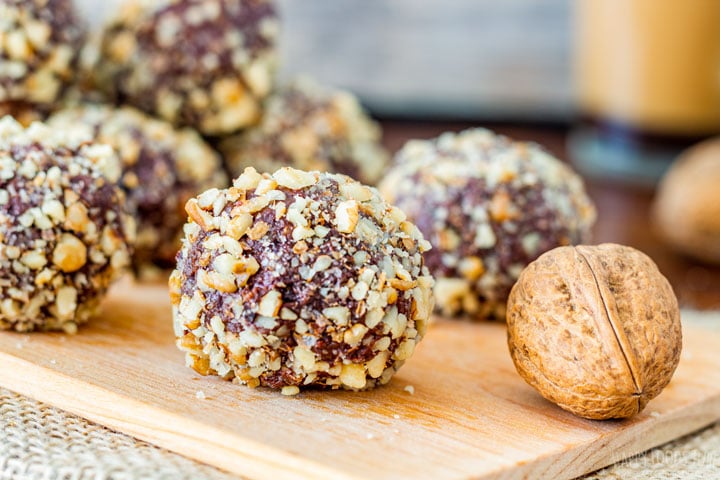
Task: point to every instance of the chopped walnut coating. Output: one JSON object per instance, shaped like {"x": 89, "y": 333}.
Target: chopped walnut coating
{"x": 201, "y": 63}
{"x": 489, "y": 206}
{"x": 162, "y": 166}
{"x": 39, "y": 42}
{"x": 64, "y": 230}
{"x": 275, "y": 287}
{"x": 310, "y": 127}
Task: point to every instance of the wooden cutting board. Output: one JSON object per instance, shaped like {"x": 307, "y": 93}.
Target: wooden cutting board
{"x": 470, "y": 416}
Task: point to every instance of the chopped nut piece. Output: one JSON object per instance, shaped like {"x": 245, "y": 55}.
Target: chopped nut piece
{"x": 376, "y": 366}
{"x": 270, "y": 304}
{"x": 353, "y": 336}
{"x": 76, "y": 217}
{"x": 353, "y": 376}
{"x": 239, "y": 225}
{"x": 346, "y": 216}
{"x": 290, "y": 390}
{"x": 258, "y": 230}
{"x": 70, "y": 253}
{"x": 339, "y": 315}
{"x": 294, "y": 179}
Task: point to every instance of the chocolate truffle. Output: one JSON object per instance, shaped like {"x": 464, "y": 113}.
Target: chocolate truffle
{"x": 299, "y": 279}
{"x": 38, "y": 52}
{"x": 310, "y": 127}
{"x": 64, "y": 232}
{"x": 200, "y": 63}
{"x": 161, "y": 169}
{"x": 489, "y": 206}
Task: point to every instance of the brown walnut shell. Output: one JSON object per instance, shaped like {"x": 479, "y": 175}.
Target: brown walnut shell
{"x": 595, "y": 329}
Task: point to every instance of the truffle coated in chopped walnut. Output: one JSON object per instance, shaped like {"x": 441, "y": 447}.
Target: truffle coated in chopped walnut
{"x": 310, "y": 127}
{"x": 489, "y": 206}
{"x": 299, "y": 279}
{"x": 64, "y": 231}
{"x": 201, "y": 63}
{"x": 38, "y": 52}
{"x": 162, "y": 168}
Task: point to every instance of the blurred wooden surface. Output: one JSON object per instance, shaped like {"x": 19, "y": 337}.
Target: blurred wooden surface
{"x": 623, "y": 211}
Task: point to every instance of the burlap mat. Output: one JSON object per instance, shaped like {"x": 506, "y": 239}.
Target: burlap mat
{"x": 41, "y": 442}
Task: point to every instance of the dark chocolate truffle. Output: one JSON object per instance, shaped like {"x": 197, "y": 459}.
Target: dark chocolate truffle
{"x": 38, "y": 52}
{"x": 489, "y": 206}
{"x": 64, "y": 230}
{"x": 162, "y": 168}
{"x": 310, "y": 127}
{"x": 200, "y": 63}
{"x": 299, "y": 279}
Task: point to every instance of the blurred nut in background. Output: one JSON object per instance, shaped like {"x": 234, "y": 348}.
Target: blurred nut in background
{"x": 687, "y": 205}
{"x": 595, "y": 329}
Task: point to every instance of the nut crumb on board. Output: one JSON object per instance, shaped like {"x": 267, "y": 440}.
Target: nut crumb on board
{"x": 290, "y": 390}
{"x": 409, "y": 389}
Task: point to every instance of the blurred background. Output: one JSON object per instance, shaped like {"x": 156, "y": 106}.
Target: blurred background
{"x": 469, "y": 59}
{"x": 619, "y": 88}
{"x": 475, "y": 59}
{"x": 640, "y": 79}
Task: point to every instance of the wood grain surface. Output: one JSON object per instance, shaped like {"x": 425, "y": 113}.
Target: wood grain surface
{"x": 470, "y": 416}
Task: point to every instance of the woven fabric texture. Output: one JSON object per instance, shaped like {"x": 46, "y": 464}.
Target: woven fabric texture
{"x": 40, "y": 442}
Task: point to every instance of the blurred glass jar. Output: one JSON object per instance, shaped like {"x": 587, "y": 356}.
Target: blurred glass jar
{"x": 647, "y": 77}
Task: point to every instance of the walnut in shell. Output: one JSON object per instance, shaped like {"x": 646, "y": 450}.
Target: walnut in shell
{"x": 595, "y": 329}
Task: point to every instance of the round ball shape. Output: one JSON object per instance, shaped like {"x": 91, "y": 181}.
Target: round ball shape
{"x": 489, "y": 206}
{"x": 686, "y": 209}
{"x": 200, "y": 63}
{"x": 595, "y": 329}
{"x": 64, "y": 230}
{"x": 299, "y": 279}
{"x": 41, "y": 41}
{"x": 162, "y": 168}
{"x": 310, "y": 127}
